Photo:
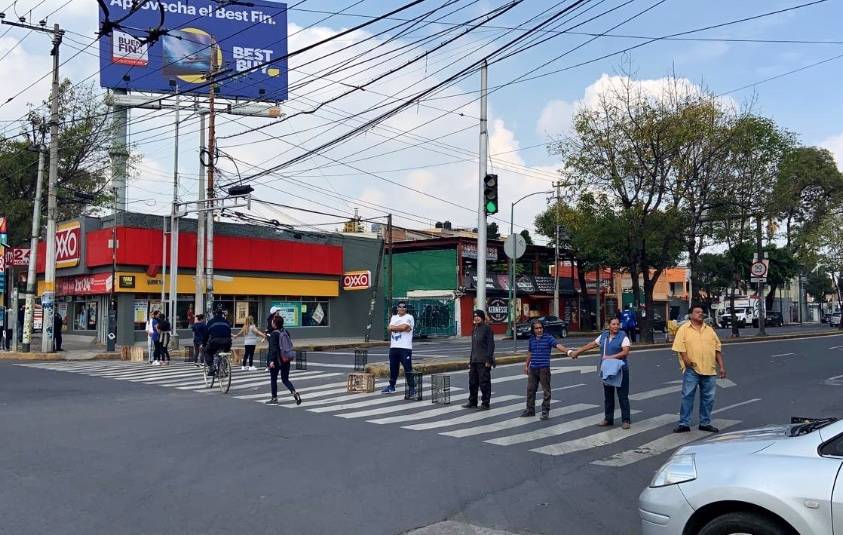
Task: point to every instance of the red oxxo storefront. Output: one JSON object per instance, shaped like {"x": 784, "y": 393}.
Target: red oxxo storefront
{"x": 320, "y": 282}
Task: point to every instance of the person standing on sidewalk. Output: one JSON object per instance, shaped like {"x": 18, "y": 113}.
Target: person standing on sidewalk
{"x": 164, "y": 328}
{"x": 629, "y": 322}
{"x": 279, "y": 356}
{"x": 58, "y": 325}
{"x": 614, "y": 370}
{"x": 700, "y": 356}
{"x": 250, "y": 334}
{"x": 400, "y": 329}
{"x": 481, "y": 362}
{"x": 200, "y": 337}
{"x": 537, "y": 369}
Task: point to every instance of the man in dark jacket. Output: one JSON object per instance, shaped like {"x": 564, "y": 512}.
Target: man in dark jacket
{"x": 200, "y": 336}
{"x": 219, "y": 336}
{"x": 481, "y": 362}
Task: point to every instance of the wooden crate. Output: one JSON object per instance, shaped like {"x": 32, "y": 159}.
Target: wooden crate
{"x": 361, "y": 382}
{"x": 133, "y": 353}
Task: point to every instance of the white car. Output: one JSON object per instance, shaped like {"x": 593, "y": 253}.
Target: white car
{"x": 778, "y": 480}
{"x": 834, "y": 320}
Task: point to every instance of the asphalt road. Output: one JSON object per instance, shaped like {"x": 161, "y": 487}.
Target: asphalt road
{"x": 112, "y": 447}
{"x": 461, "y": 347}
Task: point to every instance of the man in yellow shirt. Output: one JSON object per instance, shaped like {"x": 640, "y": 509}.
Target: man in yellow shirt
{"x": 700, "y": 357}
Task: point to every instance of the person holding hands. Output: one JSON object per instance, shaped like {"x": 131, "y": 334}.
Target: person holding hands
{"x": 537, "y": 369}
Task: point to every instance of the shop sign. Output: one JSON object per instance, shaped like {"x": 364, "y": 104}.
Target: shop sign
{"x": 498, "y": 310}
{"x": 68, "y": 245}
{"x": 16, "y": 256}
{"x": 127, "y": 281}
{"x": 356, "y": 280}
{"x": 469, "y": 250}
{"x": 85, "y": 285}
{"x": 524, "y": 284}
{"x": 544, "y": 284}
{"x": 291, "y": 312}
{"x": 318, "y": 315}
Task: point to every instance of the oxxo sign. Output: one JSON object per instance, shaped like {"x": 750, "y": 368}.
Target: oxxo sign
{"x": 68, "y": 245}
{"x": 498, "y": 310}
{"x": 357, "y": 280}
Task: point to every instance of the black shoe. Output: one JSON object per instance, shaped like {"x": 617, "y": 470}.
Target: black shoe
{"x": 681, "y": 429}
{"x": 545, "y": 415}
{"x": 710, "y": 428}
{"x": 469, "y": 406}
{"x": 528, "y": 413}
{"x": 273, "y": 401}
{"x": 484, "y": 407}
{"x": 298, "y": 398}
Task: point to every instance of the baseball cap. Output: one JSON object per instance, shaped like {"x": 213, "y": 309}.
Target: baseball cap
{"x": 273, "y": 310}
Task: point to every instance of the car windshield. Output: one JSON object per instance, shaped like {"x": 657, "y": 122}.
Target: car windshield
{"x": 804, "y": 426}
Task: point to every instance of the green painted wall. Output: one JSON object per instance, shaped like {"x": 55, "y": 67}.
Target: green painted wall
{"x": 424, "y": 270}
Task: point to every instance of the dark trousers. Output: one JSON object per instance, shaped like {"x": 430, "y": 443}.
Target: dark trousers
{"x": 57, "y": 340}
{"x": 249, "y": 354}
{"x": 165, "y": 351}
{"x": 623, "y": 399}
{"x": 535, "y": 377}
{"x": 397, "y": 357}
{"x": 285, "y": 378}
{"x": 215, "y": 345}
{"x": 157, "y": 354}
{"x": 196, "y": 350}
{"x": 479, "y": 377}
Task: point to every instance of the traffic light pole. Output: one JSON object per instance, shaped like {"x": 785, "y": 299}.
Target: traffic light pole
{"x": 481, "y": 205}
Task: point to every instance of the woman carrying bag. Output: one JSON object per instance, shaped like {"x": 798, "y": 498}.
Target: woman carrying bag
{"x": 280, "y": 355}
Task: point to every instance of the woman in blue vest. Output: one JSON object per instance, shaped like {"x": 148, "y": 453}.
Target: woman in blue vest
{"x": 614, "y": 371}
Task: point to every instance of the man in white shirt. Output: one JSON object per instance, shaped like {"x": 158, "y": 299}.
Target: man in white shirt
{"x": 400, "y": 348}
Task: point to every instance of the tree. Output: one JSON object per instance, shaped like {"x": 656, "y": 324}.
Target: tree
{"x": 712, "y": 277}
{"x": 84, "y": 140}
{"x": 527, "y": 238}
{"x": 819, "y": 285}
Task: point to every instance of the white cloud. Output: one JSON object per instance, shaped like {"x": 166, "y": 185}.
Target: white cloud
{"x": 555, "y": 118}
{"x": 835, "y": 145}
{"x": 701, "y": 53}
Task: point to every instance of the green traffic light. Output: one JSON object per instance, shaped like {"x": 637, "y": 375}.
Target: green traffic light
{"x": 491, "y": 207}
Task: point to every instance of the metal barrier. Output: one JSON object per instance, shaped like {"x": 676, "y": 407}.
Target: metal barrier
{"x": 301, "y": 360}
{"x": 440, "y": 389}
{"x": 361, "y": 358}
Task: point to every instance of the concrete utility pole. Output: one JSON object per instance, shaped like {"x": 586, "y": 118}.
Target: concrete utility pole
{"x": 762, "y": 313}
{"x": 389, "y": 279}
{"x": 557, "y": 185}
{"x": 119, "y": 172}
{"x": 33, "y": 254}
{"x": 481, "y": 205}
{"x": 174, "y": 235}
{"x": 49, "y": 297}
{"x": 199, "y": 298}
{"x": 212, "y": 148}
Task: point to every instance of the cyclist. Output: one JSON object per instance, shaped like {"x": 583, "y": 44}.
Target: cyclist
{"x": 219, "y": 337}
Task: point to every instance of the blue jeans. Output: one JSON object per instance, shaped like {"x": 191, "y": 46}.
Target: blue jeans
{"x": 707, "y": 385}
{"x": 397, "y": 357}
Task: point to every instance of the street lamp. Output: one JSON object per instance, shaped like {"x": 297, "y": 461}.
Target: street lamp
{"x": 512, "y": 266}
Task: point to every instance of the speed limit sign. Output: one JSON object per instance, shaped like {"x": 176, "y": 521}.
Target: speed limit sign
{"x": 759, "y": 270}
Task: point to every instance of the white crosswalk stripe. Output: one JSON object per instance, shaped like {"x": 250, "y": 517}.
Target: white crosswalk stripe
{"x": 324, "y": 393}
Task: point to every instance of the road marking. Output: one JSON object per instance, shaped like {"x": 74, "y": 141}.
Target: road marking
{"x": 265, "y": 380}
{"x": 327, "y": 365}
{"x": 835, "y": 347}
{"x": 783, "y": 355}
{"x": 640, "y": 396}
{"x": 472, "y": 417}
{"x": 606, "y": 437}
{"x": 742, "y": 403}
{"x": 725, "y": 383}
{"x": 552, "y": 431}
{"x": 516, "y": 422}
{"x": 660, "y": 445}
{"x": 432, "y": 413}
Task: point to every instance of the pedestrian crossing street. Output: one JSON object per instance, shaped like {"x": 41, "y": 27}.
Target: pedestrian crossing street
{"x": 324, "y": 392}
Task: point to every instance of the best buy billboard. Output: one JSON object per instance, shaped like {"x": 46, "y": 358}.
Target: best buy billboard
{"x": 249, "y": 41}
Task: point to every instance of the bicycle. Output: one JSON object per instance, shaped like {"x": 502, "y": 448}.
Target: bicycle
{"x": 222, "y": 375}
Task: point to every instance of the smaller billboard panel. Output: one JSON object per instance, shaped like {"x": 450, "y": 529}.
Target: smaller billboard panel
{"x": 249, "y": 40}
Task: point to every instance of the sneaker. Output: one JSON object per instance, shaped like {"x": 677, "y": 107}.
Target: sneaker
{"x": 710, "y": 428}
{"x": 273, "y": 401}
{"x": 243, "y": 368}
{"x": 528, "y": 413}
{"x": 156, "y": 363}
{"x": 681, "y": 429}
{"x": 605, "y": 423}
{"x": 626, "y": 425}
{"x": 252, "y": 369}
{"x": 388, "y": 390}
{"x": 469, "y": 406}
{"x": 298, "y": 398}
{"x": 484, "y": 407}
{"x": 545, "y": 416}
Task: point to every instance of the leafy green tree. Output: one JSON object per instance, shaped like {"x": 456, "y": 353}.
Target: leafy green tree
{"x": 819, "y": 285}
{"x": 527, "y": 238}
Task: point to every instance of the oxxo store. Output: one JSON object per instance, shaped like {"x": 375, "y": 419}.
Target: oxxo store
{"x": 255, "y": 267}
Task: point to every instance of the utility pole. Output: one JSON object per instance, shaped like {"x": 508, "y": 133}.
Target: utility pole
{"x": 762, "y": 313}
{"x": 33, "y": 255}
{"x": 481, "y": 205}
{"x": 557, "y": 185}
{"x": 174, "y": 234}
{"x": 389, "y": 295}
{"x": 212, "y": 148}
{"x": 119, "y": 156}
{"x": 49, "y": 297}
{"x": 199, "y": 280}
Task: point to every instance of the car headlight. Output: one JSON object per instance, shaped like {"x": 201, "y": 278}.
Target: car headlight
{"x": 678, "y": 469}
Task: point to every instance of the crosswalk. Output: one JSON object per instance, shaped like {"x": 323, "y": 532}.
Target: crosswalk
{"x": 571, "y": 428}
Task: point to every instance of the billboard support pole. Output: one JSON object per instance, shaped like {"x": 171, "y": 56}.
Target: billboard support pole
{"x": 33, "y": 255}
{"x": 212, "y": 148}
{"x": 198, "y": 305}
{"x": 174, "y": 236}
{"x": 119, "y": 172}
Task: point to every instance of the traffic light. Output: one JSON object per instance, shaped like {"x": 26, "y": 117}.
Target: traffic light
{"x": 490, "y": 193}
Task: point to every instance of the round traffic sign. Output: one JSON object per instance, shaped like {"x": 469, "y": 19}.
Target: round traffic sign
{"x": 514, "y": 245}
{"x": 759, "y": 269}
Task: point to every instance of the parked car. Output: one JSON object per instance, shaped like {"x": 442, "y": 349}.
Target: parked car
{"x": 834, "y": 320}
{"x": 774, "y": 319}
{"x": 824, "y": 317}
{"x": 552, "y": 325}
{"x": 706, "y": 319}
{"x": 780, "y": 480}
{"x": 659, "y": 323}
{"x": 726, "y": 319}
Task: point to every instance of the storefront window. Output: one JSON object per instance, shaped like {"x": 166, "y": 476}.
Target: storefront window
{"x": 303, "y": 311}
{"x": 85, "y": 316}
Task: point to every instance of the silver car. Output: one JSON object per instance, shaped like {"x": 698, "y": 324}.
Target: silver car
{"x": 770, "y": 481}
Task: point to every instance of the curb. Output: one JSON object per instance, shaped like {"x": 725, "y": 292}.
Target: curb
{"x": 341, "y": 345}
{"x": 431, "y": 366}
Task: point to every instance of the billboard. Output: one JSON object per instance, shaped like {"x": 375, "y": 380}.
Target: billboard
{"x": 248, "y": 40}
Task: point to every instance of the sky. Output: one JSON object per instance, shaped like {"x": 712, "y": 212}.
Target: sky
{"x": 422, "y": 164}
